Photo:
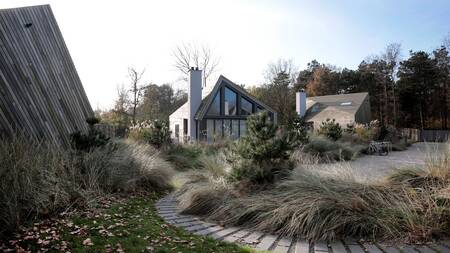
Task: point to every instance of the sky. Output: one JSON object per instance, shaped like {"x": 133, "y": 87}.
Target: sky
{"x": 106, "y": 37}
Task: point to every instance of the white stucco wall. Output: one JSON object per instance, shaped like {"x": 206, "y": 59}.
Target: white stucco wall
{"x": 177, "y": 118}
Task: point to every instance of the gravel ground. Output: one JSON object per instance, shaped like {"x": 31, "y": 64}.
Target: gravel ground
{"x": 370, "y": 167}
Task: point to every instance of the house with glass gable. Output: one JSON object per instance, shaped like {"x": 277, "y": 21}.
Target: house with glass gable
{"x": 215, "y": 114}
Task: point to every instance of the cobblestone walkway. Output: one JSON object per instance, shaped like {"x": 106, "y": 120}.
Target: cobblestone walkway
{"x": 168, "y": 210}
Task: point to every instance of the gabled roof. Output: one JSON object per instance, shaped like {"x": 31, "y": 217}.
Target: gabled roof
{"x": 206, "y": 102}
{"x": 332, "y": 106}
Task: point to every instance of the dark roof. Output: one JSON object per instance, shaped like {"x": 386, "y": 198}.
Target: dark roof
{"x": 206, "y": 102}
{"x": 325, "y": 106}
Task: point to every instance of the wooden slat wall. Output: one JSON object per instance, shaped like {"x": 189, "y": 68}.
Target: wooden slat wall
{"x": 40, "y": 91}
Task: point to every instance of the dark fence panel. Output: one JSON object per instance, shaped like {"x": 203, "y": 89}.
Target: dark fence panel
{"x": 426, "y": 135}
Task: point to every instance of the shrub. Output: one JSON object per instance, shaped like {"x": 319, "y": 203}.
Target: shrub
{"x": 328, "y": 150}
{"x": 330, "y": 129}
{"x": 183, "y": 157}
{"x": 299, "y": 130}
{"x": 262, "y": 155}
{"x": 93, "y": 139}
{"x": 154, "y": 132}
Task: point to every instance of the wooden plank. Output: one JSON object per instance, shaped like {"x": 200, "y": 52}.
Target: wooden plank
{"x": 301, "y": 246}
{"x": 283, "y": 245}
{"x": 320, "y": 246}
{"x": 372, "y": 248}
{"x": 338, "y": 247}
{"x": 266, "y": 242}
{"x": 40, "y": 91}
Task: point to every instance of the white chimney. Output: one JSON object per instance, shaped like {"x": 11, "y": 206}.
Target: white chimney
{"x": 300, "y": 103}
{"x": 194, "y": 99}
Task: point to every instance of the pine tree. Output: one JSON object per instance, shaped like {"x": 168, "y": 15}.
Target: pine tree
{"x": 262, "y": 156}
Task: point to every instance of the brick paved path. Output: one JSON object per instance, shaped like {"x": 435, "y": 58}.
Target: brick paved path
{"x": 168, "y": 210}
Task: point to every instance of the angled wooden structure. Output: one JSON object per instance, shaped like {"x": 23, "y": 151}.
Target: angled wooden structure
{"x": 41, "y": 94}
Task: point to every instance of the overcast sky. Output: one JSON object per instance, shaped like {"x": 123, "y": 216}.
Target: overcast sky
{"x": 105, "y": 37}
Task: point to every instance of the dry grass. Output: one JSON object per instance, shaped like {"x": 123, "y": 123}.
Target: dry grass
{"x": 39, "y": 179}
{"x": 411, "y": 204}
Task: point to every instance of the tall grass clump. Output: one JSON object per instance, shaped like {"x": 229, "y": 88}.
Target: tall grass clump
{"x": 39, "y": 179}
{"x": 328, "y": 150}
{"x": 33, "y": 180}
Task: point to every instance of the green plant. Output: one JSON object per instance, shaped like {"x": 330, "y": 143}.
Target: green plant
{"x": 299, "y": 130}
{"x": 328, "y": 150}
{"x": 154, "y": 132}
{"x": 261, "y": 155}
{"x": 93, "y": 139}
{"x": 183, "y": 157}
{"x": 331, "y": 129}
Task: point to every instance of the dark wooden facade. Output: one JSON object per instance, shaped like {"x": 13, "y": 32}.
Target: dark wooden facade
{"x": 41, "y": 94}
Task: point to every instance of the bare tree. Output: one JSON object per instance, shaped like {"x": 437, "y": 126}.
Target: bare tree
{"x": 281, "y": 66}
{"x": 136, "y": 89}
{"x": 392, "y": 56}
{"x": 189, "y": 55}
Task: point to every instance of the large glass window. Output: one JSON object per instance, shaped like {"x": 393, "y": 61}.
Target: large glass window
{"x": 219, "y": 128}
{"x": 210, "y": 130}
{"x": 243, "y": 127}
{"x": 246, "y": 107}
{"x": 230, "y": 103}
{"x": 235, "y": 129}
{"x": 215, "y": 106}
{"x": 226, "y": 128}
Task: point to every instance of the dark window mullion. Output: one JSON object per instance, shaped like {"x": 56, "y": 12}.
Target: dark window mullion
{"x": 222, "y": 100}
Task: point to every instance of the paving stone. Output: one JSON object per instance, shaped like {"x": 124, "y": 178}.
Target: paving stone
{"x": 167, "y": 212}
{"x": 354, "y": 248}
{"x": 179, "y": 216}
{"x": 408, "y": 249}
{"x": 209, "y": 230}
{"x": 195, "y": 228}
{"x": 301, "y": 246}
{"x": 188, "y": 224}
{"x": 390, "y": 249}
{"x": 351, "y": 241}
{"x": 167, "y": 209}
{"x": 266, "y": 242}
{"x": 440, "y": 248}
{"x": 252, "y": 238}
{"x": 338, "y": 247}
{"x": 167, "y": 215}
{"x": 223, "y": 233}
{"x": 181, "y": 220}
{"x": 320, "y": 246}
{"x": 372, "y": 248}
{"x": 283, "y": 245}
{"x": 425, "y": 249}
{"x": 236, "y": 236}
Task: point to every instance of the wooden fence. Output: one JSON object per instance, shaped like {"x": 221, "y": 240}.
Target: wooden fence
{"x": 41, "y": 94}
{"x": 426, "y": 135}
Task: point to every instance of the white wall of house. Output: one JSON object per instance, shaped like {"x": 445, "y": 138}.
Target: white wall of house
{"x": 175, "y": 119}
{"x": 181, "y": 130}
